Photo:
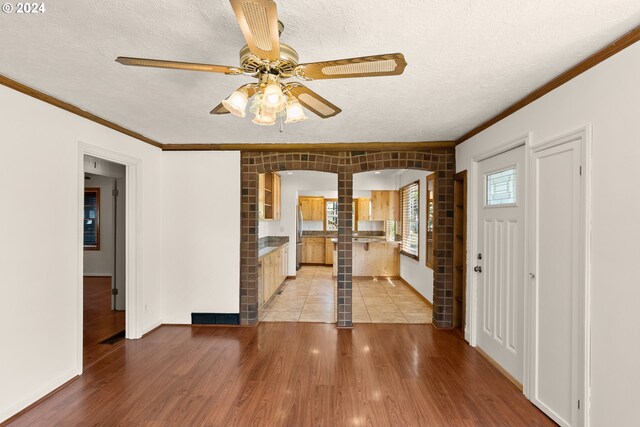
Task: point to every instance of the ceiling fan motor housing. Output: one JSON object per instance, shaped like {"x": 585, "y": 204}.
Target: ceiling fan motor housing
{"x": 283, "y": 67}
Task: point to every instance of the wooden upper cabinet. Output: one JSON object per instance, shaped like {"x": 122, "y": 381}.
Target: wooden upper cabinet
{"x": 269, "y": 196}
{"x": 363, "y": 209}
{"x": 312, "y": 208}
{"x": 261, "y": 196}
{"x": 276, "y": 197}
{"x": 385, "y": 205}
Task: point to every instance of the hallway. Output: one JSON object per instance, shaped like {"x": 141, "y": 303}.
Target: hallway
{"x": 100, "y": 322}
{"x": 290, "y": 374}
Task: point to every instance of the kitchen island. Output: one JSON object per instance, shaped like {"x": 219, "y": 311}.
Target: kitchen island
{"x": 371, "y": 257}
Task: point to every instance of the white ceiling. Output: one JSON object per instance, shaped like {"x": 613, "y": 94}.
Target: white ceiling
{"x": 467, "y": 61}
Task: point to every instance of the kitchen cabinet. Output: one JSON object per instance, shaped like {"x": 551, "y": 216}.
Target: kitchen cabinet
{"x": 363, "y": 209}
{"x": 269, "y": 196}
{"x": 328, "y": 251}
{"x": 276, "y": 197}
{"x": 385, "y": 205}
{"x": 272, "y": 272}
{"x": 312, "y": 208}
{"x": 313, "y": 249}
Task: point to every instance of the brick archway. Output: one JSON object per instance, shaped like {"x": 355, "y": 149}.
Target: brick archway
{"x": 345, "y": 163}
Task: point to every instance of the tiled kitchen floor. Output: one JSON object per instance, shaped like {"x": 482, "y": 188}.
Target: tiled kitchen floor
{"x": 311, "y": 298}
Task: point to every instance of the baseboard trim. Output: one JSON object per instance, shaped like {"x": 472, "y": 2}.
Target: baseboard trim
{"x": 153, "y": 329}
{"x": 291, "y": 277}
{"x": 415, "y": 291}
{"x": 13, "y": 412}
{"x": 500, "y": 369}
{"x": 105, "y": 275}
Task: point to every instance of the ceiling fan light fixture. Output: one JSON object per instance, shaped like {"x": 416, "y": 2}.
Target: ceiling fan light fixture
{"x": 295, "y": 113}
{"x": 236, "y": 103}
{"x": 272, "y": 97}
{"x": 265, "y": 118}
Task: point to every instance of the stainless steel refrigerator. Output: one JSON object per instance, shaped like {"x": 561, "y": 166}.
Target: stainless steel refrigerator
{"x": 299, "y": 223}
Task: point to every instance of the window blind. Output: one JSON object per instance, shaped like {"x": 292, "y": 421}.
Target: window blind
{"x": 410, "y": 198}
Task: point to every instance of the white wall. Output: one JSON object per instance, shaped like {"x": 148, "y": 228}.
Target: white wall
{"x": 100, "y": 262}
{"x": 607, "y": 97}
{"x": 201, "y": 239}
{"x": 39, "y": 254}
{"x": 416, "y": 272}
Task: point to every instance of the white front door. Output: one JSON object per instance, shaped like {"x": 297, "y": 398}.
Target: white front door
{"x": 499, "y": 263}
{"x": 557, "y": 282}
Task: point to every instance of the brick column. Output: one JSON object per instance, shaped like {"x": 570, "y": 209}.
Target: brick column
{"x": 443, "y": 253}
{"x": 249, "y": 244}
{"x": 345, "y": 230}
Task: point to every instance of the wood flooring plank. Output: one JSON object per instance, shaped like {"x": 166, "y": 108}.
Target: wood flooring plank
{"x": 290, "y": 374}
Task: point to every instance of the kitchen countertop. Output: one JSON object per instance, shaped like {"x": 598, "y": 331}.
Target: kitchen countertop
{"x": 368, "y": 240}
{"x": 266, "y": 251}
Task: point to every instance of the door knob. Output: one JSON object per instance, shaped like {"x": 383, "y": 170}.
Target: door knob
{"x": 477, "y": 269}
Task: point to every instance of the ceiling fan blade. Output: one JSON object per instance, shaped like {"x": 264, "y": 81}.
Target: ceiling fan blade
{"x": 258, "y": 20}
{"x": 390, "y": 64}
{"x": 250, "y": 90}
{"x": 312, "y": 101}
{"x": 159, "y": 63}
{"x": 219, "y": 109}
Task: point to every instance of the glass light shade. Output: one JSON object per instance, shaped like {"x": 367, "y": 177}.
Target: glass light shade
{"x": 273, "y": 98}
{"x": 236, "y": 103}
{"x": 295, "y": 113}
{"x": 265, "y": 118}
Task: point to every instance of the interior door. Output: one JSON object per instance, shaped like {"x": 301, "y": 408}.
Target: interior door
{"x": 558, "y": 282}
{"x": 500, "y": 260}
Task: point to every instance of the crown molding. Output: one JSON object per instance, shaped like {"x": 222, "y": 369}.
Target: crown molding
{"x": 337, "y": 146}
{"x": 10, "y": 83}
{"x": 611, "y": 49}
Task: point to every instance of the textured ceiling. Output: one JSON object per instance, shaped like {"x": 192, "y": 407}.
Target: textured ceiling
{"x": 468, "y": 60}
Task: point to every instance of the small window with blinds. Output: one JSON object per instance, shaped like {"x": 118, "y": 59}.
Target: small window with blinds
{"x": 410, "y": 200}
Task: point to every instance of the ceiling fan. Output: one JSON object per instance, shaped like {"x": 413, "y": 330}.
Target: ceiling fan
{"x": 272, "y": 62}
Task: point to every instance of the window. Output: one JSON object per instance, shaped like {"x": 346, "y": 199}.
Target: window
{"x": 410, "y": 199}
{"x": 332, "y": 215}
{"x": 92, "y": 219}
{"x": 430, "y": 219}
{"x": 501, "y": 188}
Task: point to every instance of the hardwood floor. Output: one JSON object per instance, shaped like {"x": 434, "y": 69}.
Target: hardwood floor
{"x": 100, "y": 322}
{"x": 290, "y": 374}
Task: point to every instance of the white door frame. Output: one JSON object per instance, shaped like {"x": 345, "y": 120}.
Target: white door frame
{"x": 132, "y": 239}
{"x": 583, "y": 361}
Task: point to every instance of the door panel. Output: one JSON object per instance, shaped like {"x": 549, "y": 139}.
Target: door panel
{"x": 556, "y": 186}
{"x": 501, "y": 253}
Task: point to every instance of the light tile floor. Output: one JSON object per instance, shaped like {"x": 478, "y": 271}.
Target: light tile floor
{"x": 311, "y": 298}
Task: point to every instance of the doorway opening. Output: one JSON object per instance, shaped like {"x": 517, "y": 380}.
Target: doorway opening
{"x": 104, "y": 258}
{"x": 297, "y": 230}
